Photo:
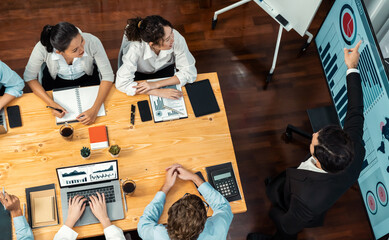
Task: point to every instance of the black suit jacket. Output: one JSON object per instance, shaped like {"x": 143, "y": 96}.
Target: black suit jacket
{"x": 300, "y": 197}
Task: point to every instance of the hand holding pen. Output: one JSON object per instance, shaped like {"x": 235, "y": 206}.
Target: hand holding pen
{"x": 11, "y": 203}
{"x": 57, "y": 110}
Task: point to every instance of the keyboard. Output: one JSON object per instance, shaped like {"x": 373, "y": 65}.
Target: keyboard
{"x": 108, "y": 192}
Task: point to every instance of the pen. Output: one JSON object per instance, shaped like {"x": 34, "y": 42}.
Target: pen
{"x": 125, "y": 201}
{"x": 172, "y": 109}
{"x": 56, "y": 109}
{"x": 24, "y": 209}
{"x": 124, "y": 197}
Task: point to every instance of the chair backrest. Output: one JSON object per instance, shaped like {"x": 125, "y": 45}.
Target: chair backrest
{"x": 40, "y": 74}
{"x": 123, "y": 50}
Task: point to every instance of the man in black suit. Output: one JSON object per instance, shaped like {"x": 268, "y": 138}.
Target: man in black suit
{"x": 301, "y": 196}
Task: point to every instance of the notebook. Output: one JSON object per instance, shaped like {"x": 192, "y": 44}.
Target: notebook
{"x": 76, "y": 101}
{"x": 202, "y": 98}
{"x": 98, "y": 137}
{"x": 43, "y": 209}
{"x": 42, "y": 206}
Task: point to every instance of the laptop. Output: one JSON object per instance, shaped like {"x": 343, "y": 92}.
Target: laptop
{"x": 86, "y": 180}
{"x": 3, "y": 122}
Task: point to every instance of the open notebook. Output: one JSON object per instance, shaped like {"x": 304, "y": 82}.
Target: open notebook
{"x": 75, "y": 101}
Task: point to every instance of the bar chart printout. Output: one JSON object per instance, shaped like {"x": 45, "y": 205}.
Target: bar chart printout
{"x": 345, "y": 25}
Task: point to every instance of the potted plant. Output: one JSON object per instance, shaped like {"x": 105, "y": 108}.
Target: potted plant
{"x": 85, "y": 153}
{"x": 114, "y": 150}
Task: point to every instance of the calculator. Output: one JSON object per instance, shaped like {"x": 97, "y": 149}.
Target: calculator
{"x": 224, "y": 182}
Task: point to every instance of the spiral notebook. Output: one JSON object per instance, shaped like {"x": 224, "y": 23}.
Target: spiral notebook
{"x": 76, "y": 100}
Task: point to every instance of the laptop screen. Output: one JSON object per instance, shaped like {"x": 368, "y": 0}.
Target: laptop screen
{"x": 346, "y": 24}
{"x": 87, "y": 173}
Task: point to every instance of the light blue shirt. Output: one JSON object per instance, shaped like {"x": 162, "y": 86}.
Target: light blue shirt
{"x": 216, "y": 227}
{"x": 22, "y": 229}
{"x": 11, "y": 81}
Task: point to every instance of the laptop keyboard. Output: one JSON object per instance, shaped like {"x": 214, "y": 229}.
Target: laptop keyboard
{"x": 108, "y": 192}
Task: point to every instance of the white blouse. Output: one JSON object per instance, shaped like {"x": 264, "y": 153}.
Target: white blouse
{"x": 66, "y": 71}
{"x": 111, "y": 233}
{"x": 140, "y": 57}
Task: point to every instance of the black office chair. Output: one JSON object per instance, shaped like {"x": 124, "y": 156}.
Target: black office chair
{"x": 319, "y": 118}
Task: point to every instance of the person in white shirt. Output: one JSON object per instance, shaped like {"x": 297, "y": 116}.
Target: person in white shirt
{"x": 152, "y": 48}
{"x": 99, "y": 209}
{"x": 72, "y": 58}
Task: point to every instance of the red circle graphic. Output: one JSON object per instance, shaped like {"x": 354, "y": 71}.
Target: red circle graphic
{"x": 382, "y": 194}
{"x": 371, "y": 202}
{"x": 348, "y": 24}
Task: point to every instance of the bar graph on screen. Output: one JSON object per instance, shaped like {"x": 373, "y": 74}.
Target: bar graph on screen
{"x": 344, "y": 26}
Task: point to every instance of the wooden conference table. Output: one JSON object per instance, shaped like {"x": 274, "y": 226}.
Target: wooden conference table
{"x": 31, "y": 153}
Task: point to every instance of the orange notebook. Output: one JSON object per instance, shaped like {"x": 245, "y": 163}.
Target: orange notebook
{"x": 98, "y": 137}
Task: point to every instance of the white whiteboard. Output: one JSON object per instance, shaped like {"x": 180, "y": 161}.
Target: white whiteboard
{"x": 299, "y": 13}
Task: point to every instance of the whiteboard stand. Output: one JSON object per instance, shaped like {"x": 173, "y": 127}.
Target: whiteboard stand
{"x": 301, "y": 25}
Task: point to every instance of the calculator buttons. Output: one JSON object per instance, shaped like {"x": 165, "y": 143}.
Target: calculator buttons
{"x": 226, "y": 187}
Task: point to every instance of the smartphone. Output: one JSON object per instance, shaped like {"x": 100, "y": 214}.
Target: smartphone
{"x": 14, "y": 118}
{"x": 144, "y": 110}
{"x": 201, "y": 176}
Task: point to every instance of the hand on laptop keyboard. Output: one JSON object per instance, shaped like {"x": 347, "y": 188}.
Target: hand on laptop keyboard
{"x": 99, "y": 208}
{"x": 108, "y": 191}
{"x": 76, "y": 209}
{"x": 97, "y": 205}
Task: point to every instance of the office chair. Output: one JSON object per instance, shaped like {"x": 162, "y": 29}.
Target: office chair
{"x": 123, "y": 50}
{"x": 318, "y": 117}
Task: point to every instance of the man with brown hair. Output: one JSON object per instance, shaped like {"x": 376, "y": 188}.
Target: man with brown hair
{"x": 187, "y": 218}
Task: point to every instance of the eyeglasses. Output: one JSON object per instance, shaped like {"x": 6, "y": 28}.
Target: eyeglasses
{"x": 132, "y": 114}
{"x": 205, "y": 203}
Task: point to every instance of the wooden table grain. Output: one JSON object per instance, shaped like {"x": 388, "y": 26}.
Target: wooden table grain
{"x": 31, "y": 153}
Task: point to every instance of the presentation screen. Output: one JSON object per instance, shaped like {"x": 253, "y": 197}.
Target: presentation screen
{"x": 346, "y": 24}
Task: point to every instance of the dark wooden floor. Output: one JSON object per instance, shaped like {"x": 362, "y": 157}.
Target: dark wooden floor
{"x": 240, "y": 50}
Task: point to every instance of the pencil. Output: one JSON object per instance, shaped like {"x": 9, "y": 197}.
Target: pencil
{"x": 56, "y": 109}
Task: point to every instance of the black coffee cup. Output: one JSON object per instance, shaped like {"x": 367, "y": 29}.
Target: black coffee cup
{"x": 66, "y": 131}
{"x": 129, "y": 187}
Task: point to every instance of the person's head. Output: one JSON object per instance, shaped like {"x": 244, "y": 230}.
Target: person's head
{"x": 332, "y": 148}
{"x": 155, "y": 30}
{"x": 186, "y": 218}
{"x": 63, "y": 38}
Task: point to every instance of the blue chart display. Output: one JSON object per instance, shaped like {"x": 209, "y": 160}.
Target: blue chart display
{"x": 345, "y": 25}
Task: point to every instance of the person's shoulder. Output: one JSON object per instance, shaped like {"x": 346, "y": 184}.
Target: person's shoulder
{"x": 40, "y": 50}
{"x": 136, "y": 48}
{"x": 160, "y": 232}
{"x": 178, "y": 36}
{"x": 39, "y": 46}
{"x": 137, "y": 44}
{"x": 177, "y": 33}
{"x": 89, "y": 38}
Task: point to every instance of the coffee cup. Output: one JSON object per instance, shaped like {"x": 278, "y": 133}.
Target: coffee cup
{"x": 128, "y": 187}
{"x": 66, "y": 131}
